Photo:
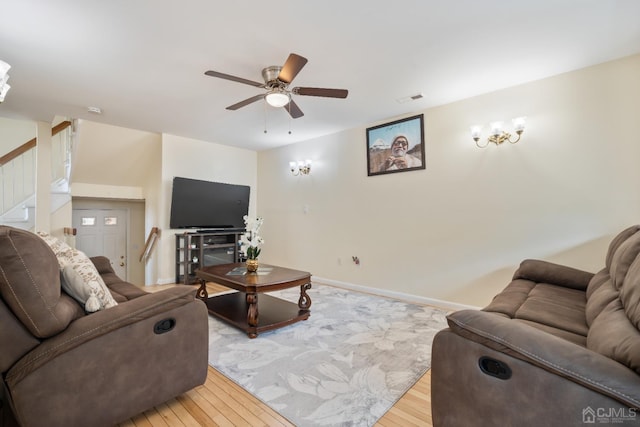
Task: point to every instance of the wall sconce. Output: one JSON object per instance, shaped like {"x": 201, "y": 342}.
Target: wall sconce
{"x": 4, "y": 76}
{"x": 497, "y": 135}
{"x": 300, "y": 167}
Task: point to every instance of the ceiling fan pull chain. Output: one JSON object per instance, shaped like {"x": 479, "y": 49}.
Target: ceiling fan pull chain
{"x": 289, "y": 114}
{"x": 265, "y": 116}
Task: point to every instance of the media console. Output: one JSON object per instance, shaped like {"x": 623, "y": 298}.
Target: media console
{"x": 203, "y": 248}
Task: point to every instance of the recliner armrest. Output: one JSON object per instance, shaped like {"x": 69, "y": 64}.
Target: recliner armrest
{"x": 547, "y": 272}
{"x": 554, "y": 354}
{"x": 100, "y": 323}
{"x": 102, "y": 264}
{"x": 113, "y": 364}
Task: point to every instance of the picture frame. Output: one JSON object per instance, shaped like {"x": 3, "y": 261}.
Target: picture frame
{"x": 396, "y": 146}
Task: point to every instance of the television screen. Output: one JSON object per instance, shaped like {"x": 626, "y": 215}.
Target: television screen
{"x": 207, "y": 205}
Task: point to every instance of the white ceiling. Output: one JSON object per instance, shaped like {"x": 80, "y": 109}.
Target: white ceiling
{"x": 143, "y": 61}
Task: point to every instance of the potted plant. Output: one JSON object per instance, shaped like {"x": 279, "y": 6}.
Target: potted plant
{"x": 250, "y": 242}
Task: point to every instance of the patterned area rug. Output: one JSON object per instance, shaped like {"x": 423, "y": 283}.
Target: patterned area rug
{"x": 345, "y": 366}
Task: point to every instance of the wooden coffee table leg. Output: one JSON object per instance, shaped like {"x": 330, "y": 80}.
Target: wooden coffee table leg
{"x": 252, "y": 313}
{"x": 305, "y": 301}
{"x": 202, "y": 290}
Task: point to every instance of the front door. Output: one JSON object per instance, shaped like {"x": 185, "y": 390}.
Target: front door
{"x": 103, "y": 232}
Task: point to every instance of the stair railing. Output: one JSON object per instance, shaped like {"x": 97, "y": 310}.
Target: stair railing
{"x": 17, "y": 169}
{"x": 17, "y": 172}
{"x": 151, "y": 241}
{"x": 13, "y": 154}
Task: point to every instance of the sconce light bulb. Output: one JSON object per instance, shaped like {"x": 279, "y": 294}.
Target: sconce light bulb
{"x": 476, "y": 132}
{"x": 496, "y": 128}
{"x": 519, "y": 123}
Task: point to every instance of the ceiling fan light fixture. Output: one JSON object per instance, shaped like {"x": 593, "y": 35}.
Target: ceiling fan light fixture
{"x": 277, "y": 98}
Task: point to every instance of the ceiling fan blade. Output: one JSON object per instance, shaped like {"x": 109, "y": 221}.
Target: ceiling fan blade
{"x": 317, "y": 91}
{"x": 293, "y": 109}
{"x": 233, "y": 78}
{"x": 246, "y": 102}
{"x": 291, "y": 68}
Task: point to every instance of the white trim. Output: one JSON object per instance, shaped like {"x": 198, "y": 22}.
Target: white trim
{"x": 396, "y": 295}
{"x": 415, "y": 299}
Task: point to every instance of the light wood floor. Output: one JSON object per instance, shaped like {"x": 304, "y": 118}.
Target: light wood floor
{"x": 221, "y": 402}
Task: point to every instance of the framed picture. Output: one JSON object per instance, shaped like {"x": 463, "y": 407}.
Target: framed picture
{"x": 396, "y": 146}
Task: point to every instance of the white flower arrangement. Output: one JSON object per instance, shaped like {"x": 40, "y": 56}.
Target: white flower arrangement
{"x": 250, "y": 241}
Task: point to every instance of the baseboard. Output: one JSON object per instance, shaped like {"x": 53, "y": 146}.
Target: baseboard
{"x": 416, "y": 299}
{"x": 448, "y": 305}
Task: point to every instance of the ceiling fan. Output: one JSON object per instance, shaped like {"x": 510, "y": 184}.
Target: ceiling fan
{"x": 276, "y": 81}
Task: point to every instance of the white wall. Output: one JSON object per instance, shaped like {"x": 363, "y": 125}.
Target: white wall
{"x": 114, "y": 156}
{"x": 14, "y": 133}
{"x": 59, "y": 220}
{"x": 457, "y": 230}
{"x": 153, "y": 195}
{"x": 195, "y": 159}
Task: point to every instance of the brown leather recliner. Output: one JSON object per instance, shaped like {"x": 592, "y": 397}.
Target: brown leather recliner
{"x": 62, "y": 367}
{"x": 557, "y": 347}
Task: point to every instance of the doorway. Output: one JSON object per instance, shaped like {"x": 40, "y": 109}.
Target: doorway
{"x": 114, "y": 229}
{"x": 103, "y": 232}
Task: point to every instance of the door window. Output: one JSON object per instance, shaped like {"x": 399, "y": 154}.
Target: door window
{"x": 88, "y": 220}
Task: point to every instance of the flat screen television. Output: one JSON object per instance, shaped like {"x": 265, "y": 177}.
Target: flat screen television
{"x": 207, "y": 205}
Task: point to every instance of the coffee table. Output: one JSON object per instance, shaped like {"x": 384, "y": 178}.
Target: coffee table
{"x": 241, "y": 309}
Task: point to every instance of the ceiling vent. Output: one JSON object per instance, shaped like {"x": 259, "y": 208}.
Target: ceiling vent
{"x": 409, "y": 98}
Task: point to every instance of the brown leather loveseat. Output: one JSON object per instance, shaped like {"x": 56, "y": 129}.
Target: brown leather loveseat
{"x": 557, "y": 347}
{"x": 63, "y": 367}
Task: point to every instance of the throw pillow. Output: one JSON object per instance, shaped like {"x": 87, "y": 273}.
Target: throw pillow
{"x": 83, "y": 292}
{"x": 82, "y": 265}
{"x": 60, "y": 248}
